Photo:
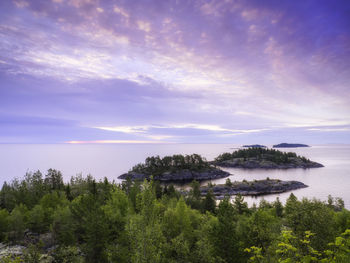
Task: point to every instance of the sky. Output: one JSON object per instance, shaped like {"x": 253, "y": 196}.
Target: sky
{"x": 174, "y": 71}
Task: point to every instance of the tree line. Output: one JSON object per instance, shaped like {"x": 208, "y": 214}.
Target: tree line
{"x": 101, "y": 221}
{"x": 156, "y": 166}
{"x": 272, "y": 155}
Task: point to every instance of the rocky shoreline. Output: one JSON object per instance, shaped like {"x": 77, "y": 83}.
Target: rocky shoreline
{"x": 253, "y": 163}
{"x": 179, "y": 175}
{"x": 253, "y": 188}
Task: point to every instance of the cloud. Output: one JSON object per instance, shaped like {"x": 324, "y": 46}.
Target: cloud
{"x": 114, "y": 141}
{"x": 206, "y": 68}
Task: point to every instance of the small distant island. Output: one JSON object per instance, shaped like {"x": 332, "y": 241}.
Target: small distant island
{"x": 175, "y": 168}
{"x": 256, "y": 187}
{"x": 253, "y": 158}
{"x": 290, "y": 145}
{"x": 254, "y": 146}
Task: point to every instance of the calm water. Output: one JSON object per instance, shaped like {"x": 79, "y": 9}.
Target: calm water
{"x": 112, "y": 160}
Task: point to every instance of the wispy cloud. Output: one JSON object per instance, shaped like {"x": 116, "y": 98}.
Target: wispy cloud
{"x": 115, "y": 141}
{"x": 202, "y": 69}
{"x": 330, "y": 129}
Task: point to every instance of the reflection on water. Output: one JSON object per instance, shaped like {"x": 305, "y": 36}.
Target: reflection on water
{"x": 113, "y": 160}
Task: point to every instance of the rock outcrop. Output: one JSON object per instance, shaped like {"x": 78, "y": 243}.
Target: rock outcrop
{"x": 257, "y": 187}
{"x": 7, "y": 250}
{"x": 179, "y": 175}
{"x": 254, "y": 163}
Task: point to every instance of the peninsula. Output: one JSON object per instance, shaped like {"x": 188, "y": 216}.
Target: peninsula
{"x": 290, "y": 145}
{"x": 256, "y": 187}
{"x": 253, "y": 158}
{"x": 175, "y": 168}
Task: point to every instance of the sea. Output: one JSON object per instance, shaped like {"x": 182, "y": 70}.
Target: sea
{"x": 111, "y": 160}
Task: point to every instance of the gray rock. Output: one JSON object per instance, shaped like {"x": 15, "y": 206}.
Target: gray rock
{"x": 260, "y": 187}
{"x": 47, "y": 240}
{"x": 6, "y": 250}
{"x": 180, "y": 175}
{"x": 252, "y": 163}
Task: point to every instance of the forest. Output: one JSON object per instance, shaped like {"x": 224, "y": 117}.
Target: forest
{"x": 259, "y": 153}
{"x": 102, "y": 221}
{"x": 156, "y": 166}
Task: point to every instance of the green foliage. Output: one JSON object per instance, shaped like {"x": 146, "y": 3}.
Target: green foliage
{"x": 311, "y": 215}
{"x": 69, "y": 254}
{"x": 156, "y": 166}
{"x": 278, "y": 207}
{"x": 256, "y": 153}
{"x": 100, "y": 221}
{"x": 228, "y": 182}
{"x": 194, "y": 197}
{"x": 32, "y": 254}
{"x": 224, "y": 234}
{"x": 91, "y": 226}
{"x": 18, "y": 220}
{"x": 239, "y": 205}
{"x": 37, "y": 220}
{"x": 63, "y": 226}
{"x": 54, "y": 180}
{"x": 4, "y": 223}
{"x": 10, "y": 259}
{"x": 209, "y": 203}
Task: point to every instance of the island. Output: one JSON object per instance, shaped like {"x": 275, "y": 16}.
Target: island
{"x": 290, "y": 145}
{"x": 254, "y": 158}
{"x": 175, "y": 168}
{"x": 254, "y": 188}
{"x": 254, "y": 146}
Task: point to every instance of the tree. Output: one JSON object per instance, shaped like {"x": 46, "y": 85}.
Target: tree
{"x": 278, "y": 207}
{"x": 91, "y": 227}
{"x": 37, "y": 220}
{"x": 209, "y": 203}
{"x": 63, "y": 226}
{"x": 223, "y": 236}
{"x": 54, "y": 180}
{"x": 18, "y": 222}
{"x": 239, "y": 205}
{"x": 4, "y": 223}
{"x": 194, "y": 197}
{"x": 228, "y": 182}
{"x": 314, "y": 216}
{"x": 264, "y": 228}
{"x": 144, "y": 229}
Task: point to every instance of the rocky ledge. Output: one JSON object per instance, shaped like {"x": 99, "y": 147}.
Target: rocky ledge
{"x": 254, "y": 163}
{"x": 257, "y": 187}
{"x": 179, "y": 175}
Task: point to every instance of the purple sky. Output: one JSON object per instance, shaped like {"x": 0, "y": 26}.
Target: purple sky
{"x": 174, "y": 71}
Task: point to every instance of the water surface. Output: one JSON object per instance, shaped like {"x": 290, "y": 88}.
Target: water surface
{"x": 111, "y": 160}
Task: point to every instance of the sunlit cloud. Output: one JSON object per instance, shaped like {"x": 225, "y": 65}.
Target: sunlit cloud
{"x": 151, "y": 131}
{"x": 205, "y": 69}
{"x": 115, "y": 141}
{"x": 125, "y": 129}
{"x": 330, "y": 129}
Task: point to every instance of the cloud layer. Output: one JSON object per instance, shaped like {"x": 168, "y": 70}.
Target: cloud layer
{"x": 174, "y": 71}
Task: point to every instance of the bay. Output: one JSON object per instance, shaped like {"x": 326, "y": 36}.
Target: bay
{"x": 111, "y": 160}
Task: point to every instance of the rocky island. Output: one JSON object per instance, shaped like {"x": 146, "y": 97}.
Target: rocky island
{"x": 175, "y": 168}
{"x": 256, "y": 187}
{"x": 290, "y": 145}
{"x": 254, "y": 158}
{"x": 254, "y": 146}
